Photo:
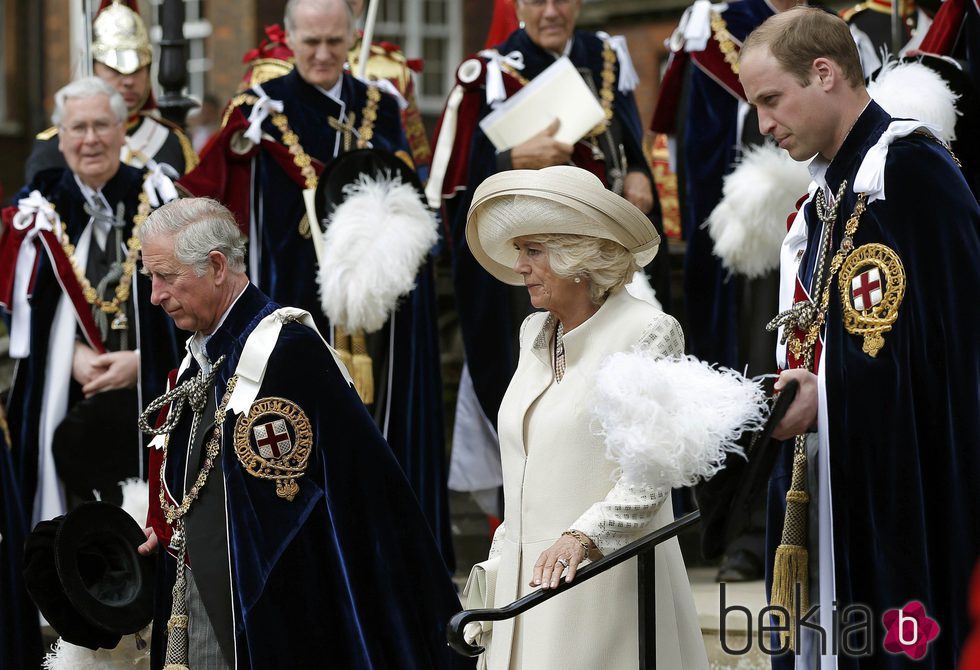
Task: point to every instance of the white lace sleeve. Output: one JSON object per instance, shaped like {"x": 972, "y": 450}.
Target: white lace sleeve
{"x": 495, "y": 543}
{"x": 664, "y": 336}
{"x": 622, "y": 516}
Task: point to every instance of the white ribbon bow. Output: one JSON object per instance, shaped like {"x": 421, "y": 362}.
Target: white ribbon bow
{"x": 694, "y": 29}
{"x": 389, "y": 88}
{"x": 260, "y": 111}
{"x": 495, "y": 74}
{"x": 628, "y": 79}
{"x": 870, "y": 177}
{"x": 35, "y": 215}
{"x": 158, "y": 185}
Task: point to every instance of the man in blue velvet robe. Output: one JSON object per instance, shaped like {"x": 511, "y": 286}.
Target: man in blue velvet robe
{"x": 86, "y": 356}
{"x": 77, "y": 383}
{"x": 490, "y": 313}
{"x": 275, "y": 140}
{"x": 305, "y": 546}
{"x": 880, "y": 334}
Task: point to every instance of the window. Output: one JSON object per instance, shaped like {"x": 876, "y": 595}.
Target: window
{"x": 196, "y": 30}
{"x": 427, "y": 29}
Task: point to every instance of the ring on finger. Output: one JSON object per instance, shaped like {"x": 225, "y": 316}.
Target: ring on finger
{"x": 563, "y": 561}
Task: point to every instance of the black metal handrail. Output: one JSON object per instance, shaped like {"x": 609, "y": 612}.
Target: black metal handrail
{"x": 642, "y": 549}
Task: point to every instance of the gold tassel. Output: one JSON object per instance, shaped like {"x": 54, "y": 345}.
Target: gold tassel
{"x": 341, "y": 344}
{"x": 362, "y": 369}
{"x": 791, "y": 566}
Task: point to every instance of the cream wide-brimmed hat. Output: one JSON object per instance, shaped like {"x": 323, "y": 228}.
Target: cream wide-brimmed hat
{"x": 583, "y": 206}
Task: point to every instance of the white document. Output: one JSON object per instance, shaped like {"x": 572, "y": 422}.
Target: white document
{"x": 557, "y": 93}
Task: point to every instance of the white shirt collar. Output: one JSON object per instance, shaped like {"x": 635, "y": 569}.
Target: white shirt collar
{"x": 564, "y": 52}
{"x": 92, "y": 196}
{"x": 196, "y": 345}
{"x": 334, "y": 91}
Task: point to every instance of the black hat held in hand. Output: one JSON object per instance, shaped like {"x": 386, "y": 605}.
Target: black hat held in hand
{"x": 83, "y": 572}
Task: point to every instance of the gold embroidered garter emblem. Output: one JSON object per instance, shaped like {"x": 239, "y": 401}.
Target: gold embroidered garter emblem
{"x": 273, "y": 441}
{"x": 872, "y": 285}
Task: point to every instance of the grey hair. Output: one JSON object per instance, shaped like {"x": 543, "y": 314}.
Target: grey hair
{"x": 88, "y": 87}
{"x": 198, "y": 226}
{"x": 607, "y": 265}
{"x": 324, "y": 5}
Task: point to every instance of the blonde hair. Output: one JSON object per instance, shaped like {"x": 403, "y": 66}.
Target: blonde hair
{"x": 606, "y": 265}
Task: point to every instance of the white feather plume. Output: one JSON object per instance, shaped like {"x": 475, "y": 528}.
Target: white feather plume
{"x": 67, "y": 656}
{"x": 639, "y": 287}
{"x": 136, "y": 498}
{"x": 671, "y": 422}
{"x": 914, "y": 91}
{"x": 374, "y": 244}
{"x": 749, "y": 223}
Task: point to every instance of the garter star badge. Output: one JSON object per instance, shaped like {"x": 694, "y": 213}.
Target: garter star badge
{"x": 872, "y": 285}
{"x": 273, "y": 441}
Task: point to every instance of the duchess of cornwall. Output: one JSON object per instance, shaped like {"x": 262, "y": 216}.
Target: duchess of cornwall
{"x": 575, "y": 246}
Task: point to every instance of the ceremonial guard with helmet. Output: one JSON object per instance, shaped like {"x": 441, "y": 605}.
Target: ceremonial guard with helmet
{"x": 122, "y": 56}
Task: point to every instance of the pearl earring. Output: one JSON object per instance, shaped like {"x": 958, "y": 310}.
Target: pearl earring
{"x": 578, "y": 280}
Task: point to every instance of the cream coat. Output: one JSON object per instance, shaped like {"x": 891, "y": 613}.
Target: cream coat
{"x": 556, "y": 477}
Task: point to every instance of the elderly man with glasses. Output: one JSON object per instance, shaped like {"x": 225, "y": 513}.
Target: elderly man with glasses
{"x": 122, "y": 57}
{"x": 91, "y": 348}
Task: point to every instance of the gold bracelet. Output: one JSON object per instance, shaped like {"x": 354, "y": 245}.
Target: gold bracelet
{"x": 582, "y": 538}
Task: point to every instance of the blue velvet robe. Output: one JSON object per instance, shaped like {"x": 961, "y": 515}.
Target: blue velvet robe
{"x": 903, "y": 426}
{"x": 710, "y": 139}
{"x": 491, "y": 313}
{"x": 347, "y": 574}
{"x": 411, "y": 419}
{"x": 20, "y": 636}
{"x": 157, "y": 336}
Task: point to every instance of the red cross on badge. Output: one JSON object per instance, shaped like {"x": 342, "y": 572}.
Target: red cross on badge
{"x": 866, "y": 290}
{"x": 272, "y": 439}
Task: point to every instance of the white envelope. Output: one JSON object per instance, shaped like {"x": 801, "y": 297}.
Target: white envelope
{"x": 557, "y": 93}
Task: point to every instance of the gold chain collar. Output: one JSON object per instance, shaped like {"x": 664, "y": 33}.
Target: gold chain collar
{"x": 129, "y": 265}
{"x": 725, "y": 41}
{"x": 806, "y": 317}
{"x": 175, "y": 514}
{"x": 302, "y": 160}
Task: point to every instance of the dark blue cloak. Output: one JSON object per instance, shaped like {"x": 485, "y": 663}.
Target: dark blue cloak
{"x": 411, "y": 419}
{"x": 710, "y": 139}
{"x": 904, "y": 455}
{"x": 20, "y": 634}
{"x": 346, "y": 575}
{"x": 157, "y": 335}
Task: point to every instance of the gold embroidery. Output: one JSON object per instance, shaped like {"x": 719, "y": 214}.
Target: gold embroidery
{"x": 237, "y": 101}
{"x": 725, "y": 41}
{"x": 277, "y": 448}
{"x": 874, "y": 319}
